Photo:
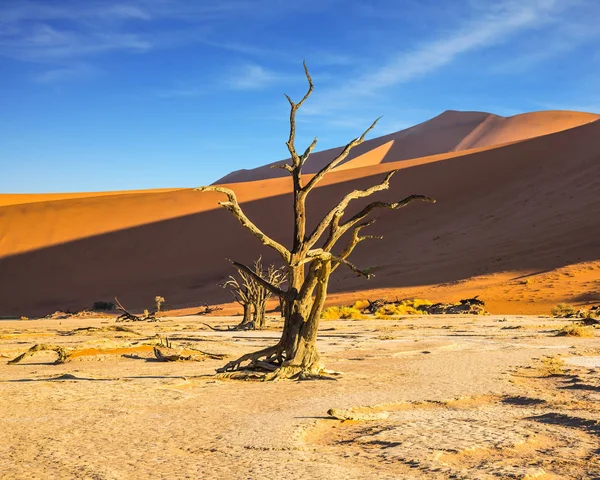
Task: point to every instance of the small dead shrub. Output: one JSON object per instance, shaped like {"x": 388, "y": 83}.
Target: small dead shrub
{"x": 562, "y": 310}
{"x": 158, "y": 300}
{"x": 576, "y": 331}
{"x": 553, "y": 366}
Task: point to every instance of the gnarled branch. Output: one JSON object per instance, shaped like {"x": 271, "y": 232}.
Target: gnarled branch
{"x": 258, "y": 279}
{"x": 283, "y": 166}
{"x": 296, "y": 160}
{"x": 332, "y": 218}
{"x": 234, "y": 207}
{"x": 355, "y": 239}
{"x": 336, "y": 161}
{"x": 307, "y": 152}
{"x": 389, "y": 205}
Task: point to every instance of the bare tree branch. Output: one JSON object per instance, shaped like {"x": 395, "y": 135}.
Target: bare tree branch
{"x": 391, "y": 206}
{"x": 342, "y": 261}
{"x": 284, "y": 166}
{"x": 335, "y": 214}
{"x": 234, "y": 207}
{"x": 258, "y": 279}
{"x": 296, "y": 161}
{"x": 336, "y": 161}
{"x": 355, "y": 239}
{"x": 239, "y": 292}
{"x": 307, "y": 152}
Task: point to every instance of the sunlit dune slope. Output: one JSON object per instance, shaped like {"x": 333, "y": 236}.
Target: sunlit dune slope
{"x": 21, "y": 198}
{"x": 525, "y": 208}
{"x": 449, "y": 132}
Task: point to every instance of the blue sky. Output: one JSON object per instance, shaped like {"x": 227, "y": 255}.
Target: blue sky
{"x": 108, "y": 95}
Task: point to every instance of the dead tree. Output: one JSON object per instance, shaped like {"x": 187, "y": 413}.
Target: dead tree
{"x": 128, "y": 316}
{"x": 241, "y": 295}
{"x": 310, "y": 261}
{"x": 252, "y": 295}
{"x": 259, "y": 294}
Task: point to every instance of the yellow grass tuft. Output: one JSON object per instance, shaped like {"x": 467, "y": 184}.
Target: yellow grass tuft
{"x": 562, "y": 310}
{"x": 405, "y": 307}
{"x": 342, "y": 313}
{"x": 577, "y": 331}
{"x": 419, "y": 302}
{"x": 361, "y": 304}
{"x": 553, "y": 366}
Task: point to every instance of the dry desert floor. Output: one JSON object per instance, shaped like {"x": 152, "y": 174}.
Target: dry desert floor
{"x": 453, "y": 397}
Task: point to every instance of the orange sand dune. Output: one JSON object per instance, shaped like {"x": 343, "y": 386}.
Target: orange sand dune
{"x": 505, "y": 213}
{"x": 451, "y": 131}
{"x": 20, "y": 198}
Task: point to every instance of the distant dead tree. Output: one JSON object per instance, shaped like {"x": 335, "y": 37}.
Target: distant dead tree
{"x": 127, "y": 316}
{"x": 252, "y": 295}
{"x": 159, "y": 300}
{"x": 310, "y": 261}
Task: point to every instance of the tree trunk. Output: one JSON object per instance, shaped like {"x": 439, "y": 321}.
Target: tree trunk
{"x": 259, "y": 315}
{"x": 299, "y": 337}
{"x": 247, "y": 321}
{"x": 295, "y": 355}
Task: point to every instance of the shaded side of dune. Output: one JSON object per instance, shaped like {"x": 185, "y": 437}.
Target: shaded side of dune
{"x": 525, "y": 206}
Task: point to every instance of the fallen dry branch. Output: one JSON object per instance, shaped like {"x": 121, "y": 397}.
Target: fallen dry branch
{"x": 165, "y": 352}
{"x": 128, "y": 316}
{"x": 63, "y": 356}
{"x": 226, "y": 329}
{"x": 208, "y": 310}
{"x": 356, "y": 416}
{"x": 109, "y": 328}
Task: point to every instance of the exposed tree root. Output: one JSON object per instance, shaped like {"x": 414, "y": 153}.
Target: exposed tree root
{"x": 165, "y": 352}
{"x": 63, "y": 356}
{"x": 240, "y": 327}
{"x": 270, "y": 355}
{"x": 269, "y": 365}
{"x": 350, "y": 414}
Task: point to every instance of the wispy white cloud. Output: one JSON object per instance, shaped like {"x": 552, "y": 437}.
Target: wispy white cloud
{"x": 56, "y": 32}
{"x": 253, "y": 77}
{"x": 75, "y": 72}
{"x": 492, "y": 26}
{"x": 182, "y": 92}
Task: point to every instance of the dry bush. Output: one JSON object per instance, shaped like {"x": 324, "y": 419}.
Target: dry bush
{"x": 361, "y": 304}
{"x": 405, "y": 307}
{"x": 341, "y": 313}
{"x": 392, "y": 309}
{"x": 562, "y": 310}
{"x": 553, "y": 366}
{"x": 159, "y": 300}
{"x": 576, "y": 331}
{"x": 418, "y": 302}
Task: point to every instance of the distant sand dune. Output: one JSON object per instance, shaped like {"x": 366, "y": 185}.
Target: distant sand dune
{"x": 523, "y": 208}
{"x": 20, "y": 198}
{"x": 448, "y": 132}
